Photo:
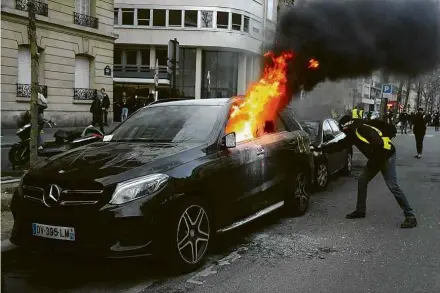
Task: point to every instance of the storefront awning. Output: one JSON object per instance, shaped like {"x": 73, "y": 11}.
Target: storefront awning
{"x": 140, "y": 80}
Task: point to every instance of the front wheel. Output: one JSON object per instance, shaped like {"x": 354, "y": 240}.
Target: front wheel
{"x": 297, "y": 200}
{"x": 188, "y": 236}
{"x": 18, "y": 155}
{"x": 348, "y": 164}
{"x": 321, "y": 176}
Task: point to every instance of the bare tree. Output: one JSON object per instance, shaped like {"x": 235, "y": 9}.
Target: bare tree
{"x": 32, "y": 34}
{"x": 207, "y": 18}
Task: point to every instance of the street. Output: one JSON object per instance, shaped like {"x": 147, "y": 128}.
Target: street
{"x": 319, "y": 252}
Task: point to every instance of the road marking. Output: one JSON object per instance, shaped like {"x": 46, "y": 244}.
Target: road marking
{"x": 206, "y": 272}
{"x": 139, "y": 288}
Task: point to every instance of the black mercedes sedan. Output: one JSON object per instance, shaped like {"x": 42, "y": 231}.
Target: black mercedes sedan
{"x": 322, "y": 132}
{"x": 163, "y": 183}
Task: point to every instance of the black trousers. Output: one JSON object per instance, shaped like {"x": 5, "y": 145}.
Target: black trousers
{"x": 419, "y": 142}
{"x": 98, "y": 120}
{"x": 105, "y": 117}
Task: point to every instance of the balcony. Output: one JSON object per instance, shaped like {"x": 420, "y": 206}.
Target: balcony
{"x": 133, "y": 71}
{"x": 85, "y": 20}
{"x": 80, "y": 94}
{"x": 40, "y": 7}
{"x": 24, "y": 90}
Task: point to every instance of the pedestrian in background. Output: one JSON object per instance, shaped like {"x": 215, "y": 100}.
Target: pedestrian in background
{"x": 373, "y": 139}
{"x": 436, "y": 120}
{"x": 403, "y": 119}
{"x": 411, "y": 120}
{"x": 97, "y": 110}
{"x": 419, "y": 131}
{"x": 105, "y": 105}
{"x": 124, "y": 107}
{"x": 41, "y": 105}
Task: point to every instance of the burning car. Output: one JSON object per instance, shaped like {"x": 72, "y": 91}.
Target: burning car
{"x": 164, "y": 182}
{"x": 321, "y": 132}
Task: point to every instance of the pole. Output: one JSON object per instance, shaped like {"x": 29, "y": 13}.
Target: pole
{"x": 174, "y": 66}
{"x": 384, "y": 101}
{"x": 32, "y": 34}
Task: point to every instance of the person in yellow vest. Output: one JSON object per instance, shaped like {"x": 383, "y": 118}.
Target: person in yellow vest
{"x": 373, "y": 139}
{"x": 357, "y": 113}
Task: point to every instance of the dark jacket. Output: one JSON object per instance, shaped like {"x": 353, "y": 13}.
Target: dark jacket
{"x": 106, "y": 102}
{"x": 419, "y": 124}
{"x": 96, "y": 107}
{"x": 404, "y": 117}
{"x": 375, "y": 150}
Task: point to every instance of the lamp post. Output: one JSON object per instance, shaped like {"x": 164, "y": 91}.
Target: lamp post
{"x": 156, "y": 80}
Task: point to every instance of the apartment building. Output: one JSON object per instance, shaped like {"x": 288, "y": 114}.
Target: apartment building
{"x": 75, "y": 42}
{"x": 221, "y": 44}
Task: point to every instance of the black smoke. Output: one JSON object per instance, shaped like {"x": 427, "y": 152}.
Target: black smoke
{"x": 357, "y": 37}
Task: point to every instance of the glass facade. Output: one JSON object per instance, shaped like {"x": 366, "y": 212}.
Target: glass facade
{"x": 186, "y": 79}
{"x": 221, "y": 82}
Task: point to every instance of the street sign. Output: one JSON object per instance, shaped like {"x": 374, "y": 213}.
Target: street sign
{"x": 387, "y": 91}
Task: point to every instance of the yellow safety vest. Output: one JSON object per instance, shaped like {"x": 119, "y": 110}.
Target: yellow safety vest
{"x": 386, "y": 140}
{"x": 361, "y": 114}
{"x": 354, "y": 114}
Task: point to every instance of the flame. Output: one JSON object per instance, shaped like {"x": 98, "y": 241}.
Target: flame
{"x": 313, "y": 63}
{"x": 262, "y": 101}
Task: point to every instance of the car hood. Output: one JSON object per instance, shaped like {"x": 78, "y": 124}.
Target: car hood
{"x": 106, "y": 163}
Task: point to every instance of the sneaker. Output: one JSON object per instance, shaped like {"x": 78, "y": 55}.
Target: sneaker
{"x": 409, "y": 222}
{"x": 355, "y": 215}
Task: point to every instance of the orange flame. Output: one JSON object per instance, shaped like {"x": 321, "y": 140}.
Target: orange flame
{"x": 313, "y": 63}
{"x": 262, "y": 101}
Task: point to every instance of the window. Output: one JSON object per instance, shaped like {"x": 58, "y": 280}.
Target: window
{"x": 222, "y": 19}
{"x": 169, "y": 124}
{"x": 190, "y": 18}
{"x": 236, "y": 22}
{"x": 187, "y": 76}
{"x": 207, "y": 19}
{"x": 159, "y": 17}
{"x": 162, "y": 56}
{"x": 145, "y": 57}
{"x": 82, "y": 72}
{"x": 246, "y": 24}
{"x": 143, "y": 17}
{"x": 270, "y": 7}
{"x": 312, "y": 129}
{"x": 327, "y": 131}
{"x": 220, "y": 74}
{"x": 175, "y": 17}
{"x": 24, "y": 65}
{"x": 127, "y": 16}
{"x": 334, "y": 127}
{"x": 117, "y": 56}
{"x": 131, "y": 57}
{"x": 116, "y": 16}
{"x": 82, "y": 7}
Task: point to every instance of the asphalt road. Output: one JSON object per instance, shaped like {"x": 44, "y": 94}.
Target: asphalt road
{"x": 319, "y": 252}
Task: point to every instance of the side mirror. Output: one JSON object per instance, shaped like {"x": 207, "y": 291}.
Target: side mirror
{"x": 229, "y": 141}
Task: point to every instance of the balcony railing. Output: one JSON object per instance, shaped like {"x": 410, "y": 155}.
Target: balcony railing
{"x": 24, "y": 90}
{"x": 85, "y": 20}
{"x": 40, "y": 7}
{"x": 84, "y": 94}
{"x": 133, "y": 71}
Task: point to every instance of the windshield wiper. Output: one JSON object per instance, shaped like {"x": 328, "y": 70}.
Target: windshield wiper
{"x": 142, "y": 140}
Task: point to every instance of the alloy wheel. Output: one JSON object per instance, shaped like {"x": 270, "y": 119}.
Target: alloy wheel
{"x": 322, "y": 175}
{"x": 301, "y": 197}
{"x": 193, "y": 234}
{"x": 349, "y": 162}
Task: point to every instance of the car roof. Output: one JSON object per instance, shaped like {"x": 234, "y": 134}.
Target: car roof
{"x": 193, "y": 102}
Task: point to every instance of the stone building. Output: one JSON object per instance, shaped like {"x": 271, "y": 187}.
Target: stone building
{"x": 75, "y": 41}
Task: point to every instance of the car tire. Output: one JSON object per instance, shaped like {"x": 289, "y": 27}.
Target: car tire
{"x": 16, "y": 155}
{"x": 188, "y": 235}
{"x": 297, "y": 199}
{"x": 348, "y": 164}
{"x": 321, "y": 175}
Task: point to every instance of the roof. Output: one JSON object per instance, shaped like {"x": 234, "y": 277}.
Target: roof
{"x": 193, "y": 102}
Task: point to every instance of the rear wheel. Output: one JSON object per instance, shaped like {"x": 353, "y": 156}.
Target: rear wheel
{"x": 321, "y": 176}
{"x": 297, "y": 199}
{"x": 18, "y": 155}
{"x": 188, "y": 236}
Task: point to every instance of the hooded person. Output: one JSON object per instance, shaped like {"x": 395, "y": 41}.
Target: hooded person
{"x": 373, "y": 139}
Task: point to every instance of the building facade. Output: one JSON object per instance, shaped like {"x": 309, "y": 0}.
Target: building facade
{"x": 75, "y": 42}
{"x": 220, "y": 45}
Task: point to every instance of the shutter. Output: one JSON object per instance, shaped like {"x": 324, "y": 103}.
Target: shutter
{"x": 83, "y": 7}
{"x": 24, "y": 65}
{"x": 82, "y": 76}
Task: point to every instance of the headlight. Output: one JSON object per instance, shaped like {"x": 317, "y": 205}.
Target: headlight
{"x": 139, "y": 187}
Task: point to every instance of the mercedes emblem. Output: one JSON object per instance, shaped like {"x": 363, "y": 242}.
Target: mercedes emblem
{"x": 53, "y": 196}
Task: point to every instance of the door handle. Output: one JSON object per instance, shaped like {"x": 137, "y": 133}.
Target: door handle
{"x": 261, "y": 152}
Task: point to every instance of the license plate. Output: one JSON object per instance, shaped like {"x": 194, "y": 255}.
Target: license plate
{"x": 53, "y": 232}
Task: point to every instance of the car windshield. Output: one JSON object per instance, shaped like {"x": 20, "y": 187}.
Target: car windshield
{"x": 169, "y": 124}
{"x": 312, "y": 128}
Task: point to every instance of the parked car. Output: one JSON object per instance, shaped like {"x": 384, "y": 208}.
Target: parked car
{"x": 323, "y": 132}
{"x": 163, "y": 182}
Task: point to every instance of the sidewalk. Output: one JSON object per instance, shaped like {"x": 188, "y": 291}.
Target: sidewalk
{"x": 9, "y": 137}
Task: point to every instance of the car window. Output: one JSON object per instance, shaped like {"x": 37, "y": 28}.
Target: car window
{"x": 327, "y": 130}
{"x": 334, "y": 127}
{"x": 181, "y": 123}
{"x": 290, "y": 120}
{"x": 271, "y": 127}
{"x": 312, "y": 129}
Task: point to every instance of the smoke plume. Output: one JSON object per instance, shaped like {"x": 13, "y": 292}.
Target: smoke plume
{"x": 354, "y": 38}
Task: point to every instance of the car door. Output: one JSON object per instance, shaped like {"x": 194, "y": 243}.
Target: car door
{"x": 341, "y": 155}
{"x": 329, "y": 137}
